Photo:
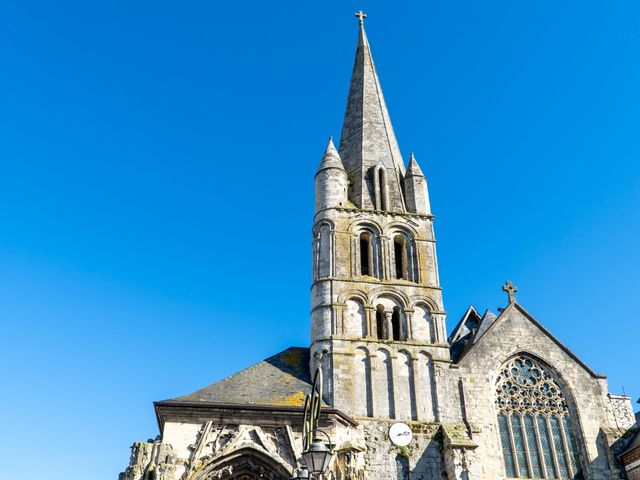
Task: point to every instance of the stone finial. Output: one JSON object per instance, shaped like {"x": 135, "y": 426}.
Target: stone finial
{"x": 361, "y": 16}
{"x": 511, "y": 290}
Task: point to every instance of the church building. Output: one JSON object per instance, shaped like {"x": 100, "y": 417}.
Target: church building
{"x": 499, "y": 398}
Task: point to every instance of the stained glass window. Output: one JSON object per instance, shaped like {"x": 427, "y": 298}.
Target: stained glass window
{"x": 505, "y": 440}
{"x": 546, "y": 447}
{"x": 571, "y": 443}
{"x": 518, "y": 440}
{"x": 532, "y": 443}
{"x": 559, "y": 447}
{"x": 536, "y": 434}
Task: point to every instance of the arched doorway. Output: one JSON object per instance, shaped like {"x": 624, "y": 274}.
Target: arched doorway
{"x": 243, "y": 464}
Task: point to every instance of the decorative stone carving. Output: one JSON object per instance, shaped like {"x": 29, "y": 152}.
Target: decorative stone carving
{"x": 150, "y": 461}
{"x": 215, "y": 443}
{"x": 622, "y": 411}
{"x": 460, "y": 459}
{"x": 349, "y": 464}
{"x": 524, "y": 386}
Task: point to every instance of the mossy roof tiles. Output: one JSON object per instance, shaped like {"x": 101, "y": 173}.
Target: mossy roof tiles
{"x": 280, "y": 380}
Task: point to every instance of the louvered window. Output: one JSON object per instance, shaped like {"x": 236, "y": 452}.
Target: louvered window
{"x": 536, "y": 434}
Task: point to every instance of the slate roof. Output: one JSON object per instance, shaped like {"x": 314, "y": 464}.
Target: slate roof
{"x": 280, "y": 380}
{"x": 469, "y": 331}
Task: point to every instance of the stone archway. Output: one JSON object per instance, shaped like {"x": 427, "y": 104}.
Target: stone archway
{"x": 244, "y": 464}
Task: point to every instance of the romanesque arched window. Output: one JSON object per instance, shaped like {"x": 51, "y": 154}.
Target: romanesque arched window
{"x": 400, "y": 256}
{"x": 536, "y": 432}
{"x": 366, "y": 257}
{"x": 381, "y": 330}
{"x": 396, "y": 324}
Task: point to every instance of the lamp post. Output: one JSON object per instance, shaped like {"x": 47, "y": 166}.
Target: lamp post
{"x": 316, "y": 454}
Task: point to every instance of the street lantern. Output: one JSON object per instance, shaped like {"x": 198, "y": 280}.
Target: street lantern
{"x": 318, "y": 457}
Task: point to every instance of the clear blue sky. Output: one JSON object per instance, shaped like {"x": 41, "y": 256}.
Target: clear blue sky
{"x": 156, "y": 190}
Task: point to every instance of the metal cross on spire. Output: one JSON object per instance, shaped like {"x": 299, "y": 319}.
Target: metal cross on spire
{"x": 511, "y": 290}
{"x": 361, "y": 15}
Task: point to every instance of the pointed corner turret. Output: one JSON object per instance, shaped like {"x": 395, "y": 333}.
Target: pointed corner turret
{"x": 331, "y": 180}
{"x": 331, "y": 158}
{"x": 414, "y": 169}
{"x": 415, "y": 187}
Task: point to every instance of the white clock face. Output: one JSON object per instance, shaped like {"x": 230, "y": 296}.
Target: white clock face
{"x": 400, "y": 434}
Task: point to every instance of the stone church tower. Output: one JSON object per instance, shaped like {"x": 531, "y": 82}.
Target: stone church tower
{"x": 499, "y": 398}
{"x": 376, "y": 294}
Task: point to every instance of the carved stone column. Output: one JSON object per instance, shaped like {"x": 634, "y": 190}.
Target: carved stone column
{"x": 409, "y": 318}
{"x": 388, "y": 326}
{"x": 370, "y": 316}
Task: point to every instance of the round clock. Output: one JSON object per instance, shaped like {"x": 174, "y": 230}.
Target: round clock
{"x": 400, "y": 434}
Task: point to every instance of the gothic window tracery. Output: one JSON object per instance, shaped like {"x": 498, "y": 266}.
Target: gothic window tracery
{"x": 534, "y": 423}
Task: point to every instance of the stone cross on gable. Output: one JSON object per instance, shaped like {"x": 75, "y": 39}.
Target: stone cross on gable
{"x": 511, "y": 290}
{"x": 361, "y": 15}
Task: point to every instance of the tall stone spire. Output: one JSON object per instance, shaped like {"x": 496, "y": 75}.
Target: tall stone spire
{"x": 376, "y": 292}
{"x": 367, "y": 139}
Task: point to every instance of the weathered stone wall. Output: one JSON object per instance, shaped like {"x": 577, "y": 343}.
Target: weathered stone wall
{"x": 387, "y": 380}
{"x": 344, "y": 321}
{"x": 201, "y": 451}
{"x": 424, "y": 454}
{"x": 622, "y": 411}
{"x": 151, "y": 460}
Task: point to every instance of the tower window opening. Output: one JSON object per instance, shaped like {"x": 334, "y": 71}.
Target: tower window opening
{"x": 400, "y": 256}
{"x": 380, "y": 330}
{"x": 382, "y": 181}
{"x": 380, "y": 188}
{"x": 365, "y": 254}
{"x": 396, "y": 324}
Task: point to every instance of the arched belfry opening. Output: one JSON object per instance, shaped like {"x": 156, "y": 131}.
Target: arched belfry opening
{"x": 366, "y": 257}
{"x": 396, "y": 324}
{"x": 400, "y": 257}
{"x": 380, "y": 323}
